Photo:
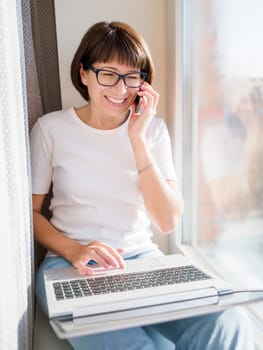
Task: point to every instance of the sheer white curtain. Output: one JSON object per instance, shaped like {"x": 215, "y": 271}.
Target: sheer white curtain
{"x": 15, "y": 207}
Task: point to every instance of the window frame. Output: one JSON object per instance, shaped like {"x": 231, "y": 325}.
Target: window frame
{"x": 184, "y": 131}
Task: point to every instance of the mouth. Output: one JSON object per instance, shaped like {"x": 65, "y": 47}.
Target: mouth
{"x": 116, "y": 101}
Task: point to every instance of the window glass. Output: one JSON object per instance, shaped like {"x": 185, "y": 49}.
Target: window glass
{"x": 227, "y": 95}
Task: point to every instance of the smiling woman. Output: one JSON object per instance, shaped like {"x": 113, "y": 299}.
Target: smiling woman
{"x": 122, "y": 46}
{"x": 113, "y": 176}
{"x": 114, "y": 89}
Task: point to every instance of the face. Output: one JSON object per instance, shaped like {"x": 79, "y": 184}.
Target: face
{"x": 110, "y": 100}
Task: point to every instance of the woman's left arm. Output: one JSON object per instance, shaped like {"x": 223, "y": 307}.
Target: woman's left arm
{"x": 162, "y": 197}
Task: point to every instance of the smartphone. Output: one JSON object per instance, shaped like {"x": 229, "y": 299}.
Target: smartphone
{"x": 138, "y": 104}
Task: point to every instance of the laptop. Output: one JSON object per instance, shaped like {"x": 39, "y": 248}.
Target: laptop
{"x": 146, "y": 291}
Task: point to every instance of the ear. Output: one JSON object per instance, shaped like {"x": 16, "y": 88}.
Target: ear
{"x": 83, "y": 75}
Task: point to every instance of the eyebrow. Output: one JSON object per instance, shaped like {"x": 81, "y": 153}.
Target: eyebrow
{"x": 116, "y": 70}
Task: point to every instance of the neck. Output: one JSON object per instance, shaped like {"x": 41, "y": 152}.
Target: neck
{"x": 96, "y": 121}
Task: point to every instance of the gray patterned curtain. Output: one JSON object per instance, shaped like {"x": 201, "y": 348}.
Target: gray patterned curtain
{"x": 42, "y": 71}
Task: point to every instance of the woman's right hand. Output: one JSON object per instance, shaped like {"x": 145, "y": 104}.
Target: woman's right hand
{"x": 104, "y": 255}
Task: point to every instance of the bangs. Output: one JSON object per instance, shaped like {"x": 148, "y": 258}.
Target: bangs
{"x": 118, "y": 46}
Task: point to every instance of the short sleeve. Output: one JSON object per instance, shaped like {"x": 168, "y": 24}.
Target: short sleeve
{"x": 161, "y": 149}
{"x": 41, "y": 159}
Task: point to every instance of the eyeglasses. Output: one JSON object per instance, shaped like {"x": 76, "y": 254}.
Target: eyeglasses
{"x": 108, "y": 78}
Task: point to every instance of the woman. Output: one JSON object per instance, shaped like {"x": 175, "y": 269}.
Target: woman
{"x": 112, "y": 175}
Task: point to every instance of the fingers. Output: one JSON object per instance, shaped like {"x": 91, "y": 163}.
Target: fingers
{"x": 103, "y": 254}
{"x": 139, "y": 122}
{"x": 106, "y": 256}
{"x": 83, "y": 268}
{"x": 150, "y": 97}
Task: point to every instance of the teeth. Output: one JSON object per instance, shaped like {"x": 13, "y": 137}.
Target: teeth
{"x": 114, "y": 100}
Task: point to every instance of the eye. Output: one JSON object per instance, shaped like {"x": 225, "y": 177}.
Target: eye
{"x": 107, "y": 74}
{"x": 134, "y": 76}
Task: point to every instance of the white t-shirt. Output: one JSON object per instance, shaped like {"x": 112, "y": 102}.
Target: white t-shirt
{"x": 96, "y": 194}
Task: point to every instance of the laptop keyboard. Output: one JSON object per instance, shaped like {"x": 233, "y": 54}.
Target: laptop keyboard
{"x": 124, "y": 282}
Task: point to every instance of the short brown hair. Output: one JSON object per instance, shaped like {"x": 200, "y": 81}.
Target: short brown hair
{"x": 105, "y": 41}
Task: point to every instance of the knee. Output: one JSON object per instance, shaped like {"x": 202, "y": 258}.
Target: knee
{"x": 235, "y": 319}
{"x": 227, "y": 330}
{"x": 234, "y": 327}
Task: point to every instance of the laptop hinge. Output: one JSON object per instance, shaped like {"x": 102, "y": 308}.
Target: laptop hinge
{"x": 225, "y": 292}
{"x": 64, "y": 318}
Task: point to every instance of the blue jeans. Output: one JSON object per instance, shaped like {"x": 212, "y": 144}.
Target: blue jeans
{"x": 226, "y": 330}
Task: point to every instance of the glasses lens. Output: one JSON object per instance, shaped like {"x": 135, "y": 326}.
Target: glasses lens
{"x": 107, "y": 78}
{"x": 134, "y": 80}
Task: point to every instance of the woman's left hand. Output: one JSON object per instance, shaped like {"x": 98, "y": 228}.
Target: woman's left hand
{"x": 139, "y": 122}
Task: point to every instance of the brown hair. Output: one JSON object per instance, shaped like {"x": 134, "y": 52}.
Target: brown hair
{"x": 105, "y": 41}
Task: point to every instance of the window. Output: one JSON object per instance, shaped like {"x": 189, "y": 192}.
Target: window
{"x": 222, "y": 119}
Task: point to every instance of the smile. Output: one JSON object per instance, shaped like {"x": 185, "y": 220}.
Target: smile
{"x": 115, "y": 100}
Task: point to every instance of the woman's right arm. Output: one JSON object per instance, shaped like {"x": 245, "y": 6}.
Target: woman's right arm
{"x": 78, "y": 255}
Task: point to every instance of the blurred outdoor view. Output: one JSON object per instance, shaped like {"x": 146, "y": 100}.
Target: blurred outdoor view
{"x": 227, "y": 59}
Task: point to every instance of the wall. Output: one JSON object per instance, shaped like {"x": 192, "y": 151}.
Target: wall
{"x": 149, "y": 17}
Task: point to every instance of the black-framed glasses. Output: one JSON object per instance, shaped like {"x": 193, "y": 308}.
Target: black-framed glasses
{"x": 107, "y": 77}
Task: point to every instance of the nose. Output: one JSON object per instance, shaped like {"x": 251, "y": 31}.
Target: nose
{"x": 121, "y": 85}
